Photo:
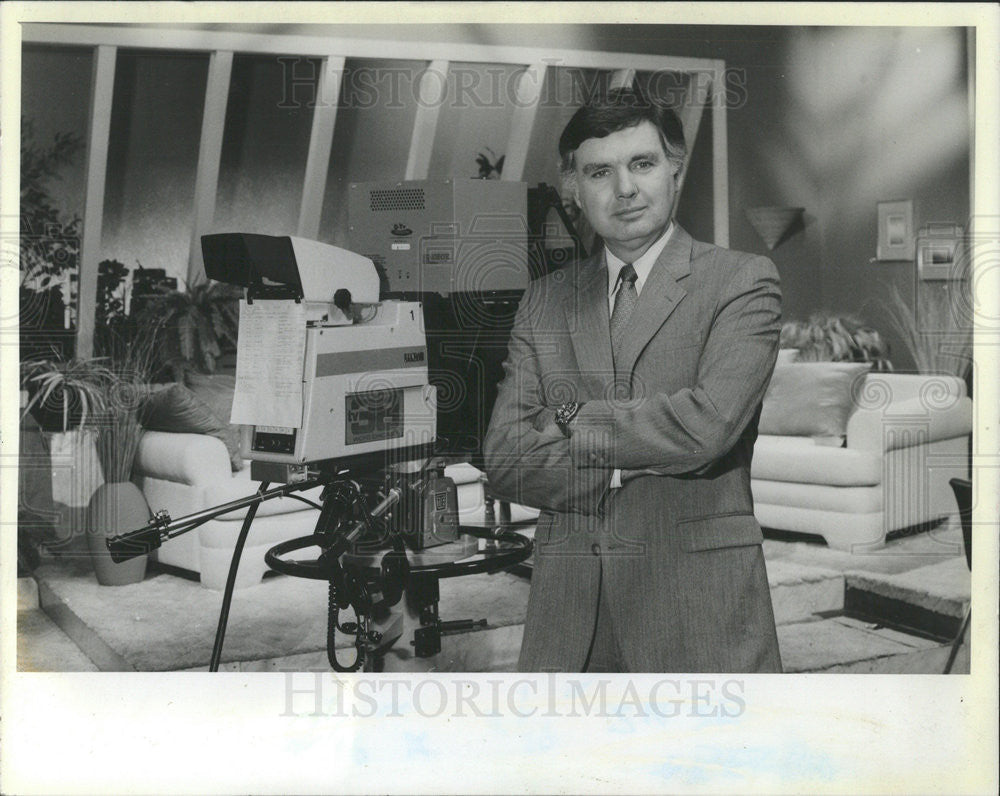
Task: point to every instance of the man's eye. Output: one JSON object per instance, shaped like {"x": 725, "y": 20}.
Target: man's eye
{"x": 599, "y": 173}
{"x": 643, "y": 165}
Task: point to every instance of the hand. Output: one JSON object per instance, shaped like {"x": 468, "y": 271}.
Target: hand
{"x": 544, "y": 419}
{"x": 545, "y": 424}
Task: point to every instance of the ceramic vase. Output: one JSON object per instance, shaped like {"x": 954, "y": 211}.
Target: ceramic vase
{"x": 114, "y": 509}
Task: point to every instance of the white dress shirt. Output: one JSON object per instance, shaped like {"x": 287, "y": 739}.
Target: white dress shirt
{"x": 642, "y": 265}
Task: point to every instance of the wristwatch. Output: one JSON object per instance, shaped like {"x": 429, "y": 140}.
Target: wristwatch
{"x": 565, "y": 415}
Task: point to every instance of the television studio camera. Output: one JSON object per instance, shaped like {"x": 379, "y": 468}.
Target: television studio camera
{"x": 367, "y": 374}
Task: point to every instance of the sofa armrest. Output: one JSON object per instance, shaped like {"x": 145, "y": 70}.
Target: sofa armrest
{"x": 193, "y": 459}
{"x": 890, "y": 389}
{"x": 464, "y": 473}
{"x": 913, "y": 421}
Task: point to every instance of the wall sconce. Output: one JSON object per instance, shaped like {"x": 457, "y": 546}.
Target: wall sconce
{"x": 776, "y": 224}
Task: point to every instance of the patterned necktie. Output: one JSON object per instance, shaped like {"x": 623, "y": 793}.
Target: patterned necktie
{"x": 625, "y": 303}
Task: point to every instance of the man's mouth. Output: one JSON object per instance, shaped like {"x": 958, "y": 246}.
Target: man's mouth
{"x": 630, "y": 213}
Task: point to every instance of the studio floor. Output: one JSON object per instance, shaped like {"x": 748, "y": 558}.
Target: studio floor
{"x": 892, "y": 610}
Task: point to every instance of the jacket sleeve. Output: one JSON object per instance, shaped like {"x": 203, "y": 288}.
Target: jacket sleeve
{"x": 689, "y": 429}
{"x": 527, "y": 457}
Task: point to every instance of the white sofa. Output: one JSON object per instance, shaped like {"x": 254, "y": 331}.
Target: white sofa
{"x": 185, "y": 473}
{"x": 906, "y": 437}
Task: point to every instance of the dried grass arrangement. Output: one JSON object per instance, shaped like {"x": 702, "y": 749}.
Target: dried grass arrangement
{"x": 937, "y": 329}
{"x": 131, "y": 360}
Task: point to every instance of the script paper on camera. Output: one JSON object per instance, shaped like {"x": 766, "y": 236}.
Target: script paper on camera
{"x": 269, "y": 364}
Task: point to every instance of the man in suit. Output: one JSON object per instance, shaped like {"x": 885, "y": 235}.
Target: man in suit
{"x": 628, "y": 413}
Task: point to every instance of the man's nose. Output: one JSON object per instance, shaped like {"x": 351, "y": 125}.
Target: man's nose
{"x": 625, "y": 187}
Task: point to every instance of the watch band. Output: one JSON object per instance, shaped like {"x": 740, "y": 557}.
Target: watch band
{"x": 565, "y": 414}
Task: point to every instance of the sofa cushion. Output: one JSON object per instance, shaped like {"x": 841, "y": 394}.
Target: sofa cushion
{"x": 178, "y": 410}
{"x": 820, "y": 497}
{"x": 463, "y": 473}
{"x": 216, "y": 392}
{"x": 777, "y": 459}
{"x": 811, "y": 399}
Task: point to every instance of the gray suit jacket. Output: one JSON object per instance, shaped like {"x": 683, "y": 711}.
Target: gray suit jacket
{"x": 676, "y": 549}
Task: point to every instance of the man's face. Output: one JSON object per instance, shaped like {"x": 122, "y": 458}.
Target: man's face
{"x": 626, "y": 187}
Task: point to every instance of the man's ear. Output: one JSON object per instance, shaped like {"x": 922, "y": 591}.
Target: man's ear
{"x": 570, "y": 188}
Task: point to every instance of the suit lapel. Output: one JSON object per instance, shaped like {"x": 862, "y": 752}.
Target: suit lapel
{"x": 588, "y": 322}
{"x": 660, "y": 296}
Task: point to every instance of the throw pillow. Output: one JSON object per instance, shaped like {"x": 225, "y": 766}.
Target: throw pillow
{"x": 216, "y": 391}
{"x": 811, "y": 399}
{"x": 180, "y": 411}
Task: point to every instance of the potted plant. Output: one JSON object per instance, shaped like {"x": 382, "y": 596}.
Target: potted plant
{"x": 836, "y": 338}
{"x": 199, "y": 325}
{"x": 118, "y": 505}
{"x": 49, "y": 246}
{"x": 933, "y": 331}
{"x": 489, "y": 165}
{"x": 63, "y": 395}
{"x": 63, "y": 398}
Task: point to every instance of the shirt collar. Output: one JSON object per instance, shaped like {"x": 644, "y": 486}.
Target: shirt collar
{"x": 643, "y": 265}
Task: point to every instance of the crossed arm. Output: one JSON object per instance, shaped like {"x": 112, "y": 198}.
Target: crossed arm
{"x": 530, "y": 461}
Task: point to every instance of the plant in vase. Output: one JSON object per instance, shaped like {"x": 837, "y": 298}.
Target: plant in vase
{"x": 836, "y": 338}
{"x": 936, "y": 329}
{"x": 118, "y": 505}
{"x": 62, "y": 399}
{"x": 64, "y": 395}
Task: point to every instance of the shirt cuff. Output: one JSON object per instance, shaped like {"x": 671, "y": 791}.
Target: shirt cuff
{"x": 616, "y": 478}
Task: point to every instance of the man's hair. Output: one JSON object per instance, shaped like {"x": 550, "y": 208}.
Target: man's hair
{"x": 618, "y": 109}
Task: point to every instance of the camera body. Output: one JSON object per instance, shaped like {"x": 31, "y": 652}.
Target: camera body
{"x": 365, "y": 390}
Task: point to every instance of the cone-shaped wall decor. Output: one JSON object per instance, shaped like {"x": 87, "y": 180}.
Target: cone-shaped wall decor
{"x": 774, "y": 224}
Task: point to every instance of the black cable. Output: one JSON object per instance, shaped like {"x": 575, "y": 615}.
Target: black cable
{"x": 227, "y": 597}
{"x": 332, "y": 623}
{"x": 337, "y": 495}
{"x": 307, "y": 501}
